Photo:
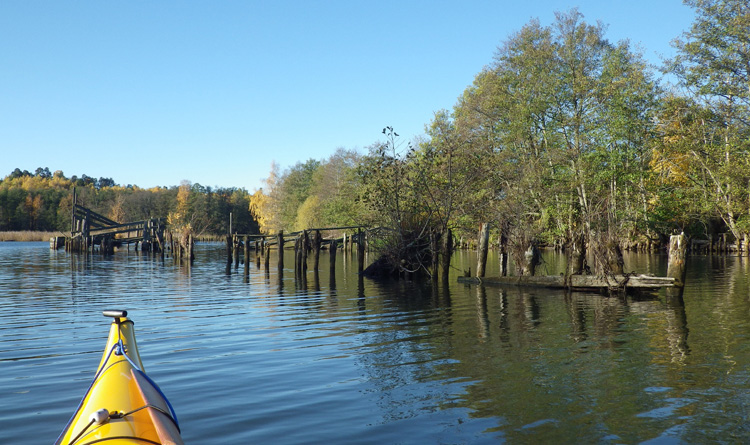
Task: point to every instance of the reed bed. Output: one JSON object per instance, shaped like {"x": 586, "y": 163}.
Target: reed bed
{"x": 28, "y": 235}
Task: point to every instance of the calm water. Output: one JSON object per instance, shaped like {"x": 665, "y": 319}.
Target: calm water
{"x": 274, "y": 359}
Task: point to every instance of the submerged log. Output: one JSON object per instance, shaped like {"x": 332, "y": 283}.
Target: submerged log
{"x": 578, "y": 282}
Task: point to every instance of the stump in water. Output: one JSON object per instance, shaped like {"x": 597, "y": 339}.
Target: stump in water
{"x": 532, "y": 258}
{"x": 677, "y": 254}
{"x": 484, "y": 238}
{"x": 407, "y": 255}
{"x": 503, "y": 256}
{"x": 608, "y": 259}
{"x": 576, "y": 256}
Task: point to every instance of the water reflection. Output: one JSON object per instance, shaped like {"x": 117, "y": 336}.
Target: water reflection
{"x": 346, "y": 358}
{"x": 482, "y": 315}
{"x": 677, "y": 330}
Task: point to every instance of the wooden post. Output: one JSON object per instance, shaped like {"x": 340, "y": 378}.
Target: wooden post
{"x": 332, "y": 256}
{"x": 360, "y": 250}
{"x": 343, "y": 244}
{"x": 280, "y": 240}
{"x": 677, "y": 254}
{"x": 317, "y": 240}
{"x": 246, "y": 250}
{"x": 267, "y": 258}
{"x": 305, "y": 250}
{"x": 247, "y": 256}
{"x": 482, "y": 244}
{"x": 228, "y": 241}
{"x": 297, "y": 254}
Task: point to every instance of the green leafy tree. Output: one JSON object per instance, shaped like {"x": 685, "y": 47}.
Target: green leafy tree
{"x": 713, "y": 63}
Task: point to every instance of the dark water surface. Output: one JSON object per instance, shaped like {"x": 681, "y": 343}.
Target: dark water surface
{"x": 275, "y": 359}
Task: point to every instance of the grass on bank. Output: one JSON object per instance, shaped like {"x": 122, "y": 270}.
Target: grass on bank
{"x": 28, "y": 236}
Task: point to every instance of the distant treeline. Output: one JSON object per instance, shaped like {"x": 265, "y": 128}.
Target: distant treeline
{"x": 42, "y": 201}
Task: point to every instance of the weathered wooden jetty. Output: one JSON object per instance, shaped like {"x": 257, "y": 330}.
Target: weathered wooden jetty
{"x": 90, "y": 230}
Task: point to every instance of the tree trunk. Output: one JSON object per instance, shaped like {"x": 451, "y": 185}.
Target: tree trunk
{"x": 484, "y": 238}
{"x": 576, "y": 255}
{"x": 503, "y": 258}
{"x": 532, "y": 258}
{"x": 446, "y": 252}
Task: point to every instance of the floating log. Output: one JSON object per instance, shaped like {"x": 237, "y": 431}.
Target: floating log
{"x": 578, "y": 282}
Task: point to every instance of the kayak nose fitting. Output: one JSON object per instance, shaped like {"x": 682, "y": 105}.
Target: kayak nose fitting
{"x": 99, "y": 417}
{"x": 120, "y": 349}
{"x": 115, "y": 313}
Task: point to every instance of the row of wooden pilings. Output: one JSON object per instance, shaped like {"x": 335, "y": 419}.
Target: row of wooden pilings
{"x": 307, "y": 243}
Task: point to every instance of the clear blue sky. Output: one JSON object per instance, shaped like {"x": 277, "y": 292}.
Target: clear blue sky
{"x": 155, "y": 92}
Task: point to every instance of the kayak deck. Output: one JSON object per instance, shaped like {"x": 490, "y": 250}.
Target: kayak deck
{"x": 123, "y": 405}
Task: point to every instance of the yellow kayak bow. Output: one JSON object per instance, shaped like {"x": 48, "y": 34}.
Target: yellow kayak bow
{"x": 122, "y": 405}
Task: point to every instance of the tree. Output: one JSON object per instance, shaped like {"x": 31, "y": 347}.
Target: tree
{"x": 713, "y": 63}
{"x": 293, "y": 190}
{"x": 43, "y": 172}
